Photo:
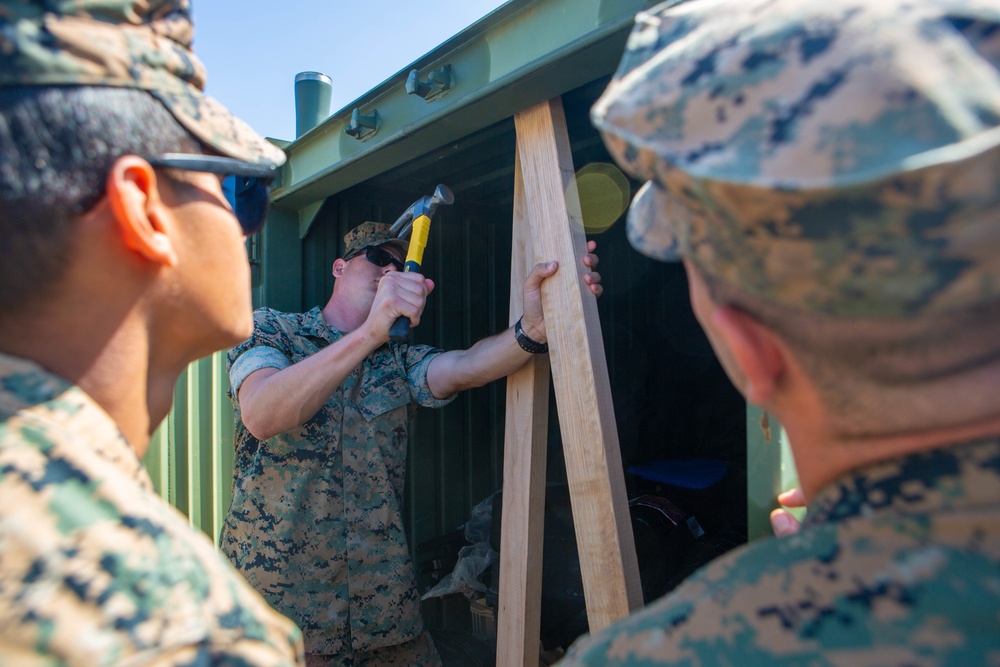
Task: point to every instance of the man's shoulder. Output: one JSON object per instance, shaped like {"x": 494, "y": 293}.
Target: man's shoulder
{"x": 274, "y": 328}
{"x": 23, "y": 383}
{"x": 858, "y": 588}
{"x": 271, "y": 319}
{"x": 48, "y": 426}
{"x": 47, "y": 422}
{"x": 81, "y": 530}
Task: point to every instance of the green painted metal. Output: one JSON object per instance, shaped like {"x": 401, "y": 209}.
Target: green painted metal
{"x": 190, "y": 456}
{"x": 280, "y": 251}
{"x": 437, "y": 84}
{"x": 767, "y": 469}
{"x": 312, "y": 100}
{"x": 524, "y": 52}
{"x": 770, "y": 470}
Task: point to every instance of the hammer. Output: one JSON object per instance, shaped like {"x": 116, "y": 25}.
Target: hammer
{"x": 416, "y": 219}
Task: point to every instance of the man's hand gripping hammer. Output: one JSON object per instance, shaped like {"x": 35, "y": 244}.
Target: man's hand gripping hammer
{"x": 416, "y": 222}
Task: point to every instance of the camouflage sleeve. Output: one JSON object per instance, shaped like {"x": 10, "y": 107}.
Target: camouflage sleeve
{"x": 252, "y": 360}
{"x": 262, "y": 350}
{"x": 417, "y": 359}
{"x": 98, "y": 570}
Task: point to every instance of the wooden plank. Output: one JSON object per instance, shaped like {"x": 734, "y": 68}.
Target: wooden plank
{"x": 579, "y": 370}
{"x": 518, "y": 630}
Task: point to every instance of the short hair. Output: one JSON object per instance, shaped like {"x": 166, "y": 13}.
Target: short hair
{"x": 58, "y": 145}
{"x": 865, "y": 369}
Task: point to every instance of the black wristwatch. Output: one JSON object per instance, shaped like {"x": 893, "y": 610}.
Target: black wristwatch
{"x": 525, "y": 341}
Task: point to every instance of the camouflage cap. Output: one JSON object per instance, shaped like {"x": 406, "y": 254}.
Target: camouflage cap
{"x": 837, "y": 156}
{"x": 371, "y": 233}
{"x": 142, "y": 44}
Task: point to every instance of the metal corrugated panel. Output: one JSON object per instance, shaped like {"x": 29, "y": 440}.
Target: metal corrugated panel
{"x": 670, "y": 396}
{"x": 455, "y": 455}
{"x": 190, "y": 456}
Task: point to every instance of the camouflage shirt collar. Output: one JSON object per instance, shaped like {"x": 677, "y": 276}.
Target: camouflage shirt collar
{"x": 962, "y": 476}
{"x": 33, "y": 394}
{"x": 313, "y": 324}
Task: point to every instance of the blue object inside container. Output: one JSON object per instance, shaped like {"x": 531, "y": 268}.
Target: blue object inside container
{"x": 687, "y": 474}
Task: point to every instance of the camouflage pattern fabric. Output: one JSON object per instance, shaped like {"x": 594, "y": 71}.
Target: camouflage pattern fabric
{"x": 96, "y": 569}
{"x": 142, "y": 44}
{"x": 896, "y": 564}
{"x": 315, "y": 521}
{"x": 418, "y": 652}
{"x": 371, "y": 233}
{"x": 837, "y": 156}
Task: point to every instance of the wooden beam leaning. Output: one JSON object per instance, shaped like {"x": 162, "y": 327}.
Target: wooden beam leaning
{"x": 519, "y": 620}
{"x": 579, "y": 369}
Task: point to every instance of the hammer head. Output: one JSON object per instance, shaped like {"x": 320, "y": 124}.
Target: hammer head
{"x": 426, "y": 205}
{"x": 442, "y": 195}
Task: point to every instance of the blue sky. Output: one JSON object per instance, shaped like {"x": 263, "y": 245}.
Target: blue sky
{"x": 254, "y": 49}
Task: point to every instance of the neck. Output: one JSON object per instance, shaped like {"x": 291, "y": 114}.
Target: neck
{"x": 344, "y": 315}
{"x": 830, "y": 438}
{"x": 819, "y": 466}
{"x": 112, "y": 363}
{"x": 822, "y": 455}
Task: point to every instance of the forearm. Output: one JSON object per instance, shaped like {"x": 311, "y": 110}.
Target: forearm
{"x": 488, "y": 360}
{"x": 500, "y": 355}
{"x": 280, "y": 400}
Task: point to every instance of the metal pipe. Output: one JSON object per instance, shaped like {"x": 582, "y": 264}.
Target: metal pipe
{"x": 312, "y": 100}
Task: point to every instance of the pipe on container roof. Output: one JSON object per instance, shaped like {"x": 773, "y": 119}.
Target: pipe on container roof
{"x": 312, "y": 100}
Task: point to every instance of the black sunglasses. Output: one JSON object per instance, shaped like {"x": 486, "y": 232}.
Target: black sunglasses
{"x": 377, "y": 256}
{"x": 253, "y": 182}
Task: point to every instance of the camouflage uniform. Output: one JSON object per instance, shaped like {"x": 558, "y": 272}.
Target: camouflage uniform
{"x": 95, "y": 568}
{"x": 315, "y": 521}
{"x": 828, "y": 156}
{"x": 840, "y": 158}
{"x": 896, "y": 564}
{"x": 144, "y": 45}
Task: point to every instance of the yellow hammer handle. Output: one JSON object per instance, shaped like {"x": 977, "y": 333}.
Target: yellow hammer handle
{"x": 418, "y": 241}
{"x": 400, "y": 329}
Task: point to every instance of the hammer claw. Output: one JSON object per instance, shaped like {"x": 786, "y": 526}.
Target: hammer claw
{"x": 420, "y": 212}
{"x": 401, "y": 228}
{"x": 426, "y": 205}
{"x": 404, "y": 233}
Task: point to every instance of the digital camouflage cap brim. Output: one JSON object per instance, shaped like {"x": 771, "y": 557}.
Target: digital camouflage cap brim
{"x": 368, "y": 234}
{"x": 838, "y": 156}
{"x": 142, "y": 44}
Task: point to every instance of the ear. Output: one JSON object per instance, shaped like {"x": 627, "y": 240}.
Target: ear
{"x": 134, "y": 199}
{"x": 754, "y": 348}
{"x": 338, "y": 267}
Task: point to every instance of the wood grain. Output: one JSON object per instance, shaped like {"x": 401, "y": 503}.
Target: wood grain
{"x": 518, "y": 629}
{"x": 579, "y": 370}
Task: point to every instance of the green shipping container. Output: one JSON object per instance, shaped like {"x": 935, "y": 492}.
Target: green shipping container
{"x": 453, "y": 124}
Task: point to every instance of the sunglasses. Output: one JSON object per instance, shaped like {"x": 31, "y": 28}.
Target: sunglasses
{"x": 377, "y": 256}
{"x": 252, "y": 183}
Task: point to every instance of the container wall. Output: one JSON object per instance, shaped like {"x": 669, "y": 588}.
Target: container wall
{"x": 672, "y": 400}
{"x": 456, "y": 453}
{"x": 190, "y": 456}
